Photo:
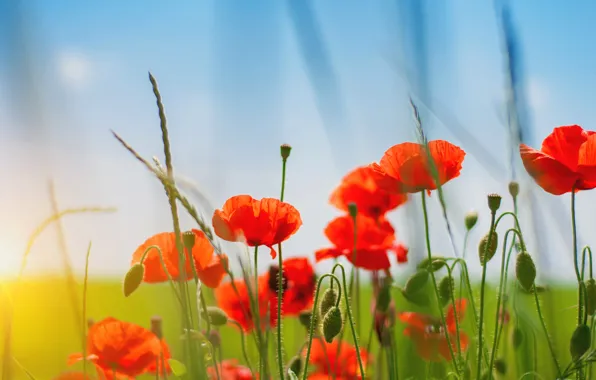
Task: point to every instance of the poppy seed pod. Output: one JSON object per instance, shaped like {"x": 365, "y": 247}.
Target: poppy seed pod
{"x": 285, "y": 150}
{"x": 591, "y": 296}
{"x": 488, "y": 247}
{"x": 494, "y": 202}
{"x": 329, "y": 300}
{"x": 513, "y": 189}
{"x": 352, "y": 209}
{"x": 580, "y": 341}
{"x": 517, "y": 337}
{"x": 434, "y": 264}
{"x": 332, "y": 324}
{"x": 216, "y": 316}
{"x": 295, "y": 365}
{"x": 416, "y": 282}
{"x": 156, "y": 326}
{"x": 446, "y": 287}
{"x": 525, "y": 270}
{"x": 188, "y": 238}
{"x": 133, "y": 279}
{"x": 304, "y": 318}
{"x": 471, "y": 219}
{"x": 273, "y": 282}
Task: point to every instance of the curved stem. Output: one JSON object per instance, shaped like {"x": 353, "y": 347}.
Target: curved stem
{"x": 587, "y": 250}
{"x": 482, "y": 283}
{"x": 545, "y": 330}
{"x": 243, "y": 344}
{"x": 452, "y": 297}
{"x": 432, "y": 276}
{"x": 313, "y": 317}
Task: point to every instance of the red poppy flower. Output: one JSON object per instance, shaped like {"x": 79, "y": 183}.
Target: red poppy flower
{"x": 120, "y": 348}
{"x": 257, "y": 222}
{"x": 405, "y": 168}
{"x": 374, "y": 238}
{"x": 72, "y": 375}
{"x": 566, "y": 160}
{"x": 230, "y": 370}
{"x": 428, "y": 336}
{"x": 210, "y": 269}
{"x": 323, "y": 356}
{"x": 237, "y": 305}
{"x": 300, "y": 287}
{"x": 360, "y": 187}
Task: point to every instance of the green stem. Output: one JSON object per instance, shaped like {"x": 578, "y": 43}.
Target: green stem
{"x": 257, "y": 315}
{"x": 452, "y": 298}
{"x": 461, "y": 279}
{"x": 482, "y": 283}
{"x": 434, "y": 280}
{"x": 85, "y": 284}
{"x": 243, "y": 344}
{"x": 280, "y": 349}
{"x": 545, "y": 330}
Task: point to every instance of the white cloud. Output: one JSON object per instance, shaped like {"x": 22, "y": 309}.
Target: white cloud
{"x": 75, "y": 69}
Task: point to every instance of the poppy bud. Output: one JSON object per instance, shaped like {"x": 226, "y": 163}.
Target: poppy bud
{"x": 501, "y": 366}
{"x": 133, "y": 279}
{"x": 517, "y": 337}
{"x": 434, "y": 264}
{"x": 416, "y": 282}
{"x": 332, "y": 324}
{"x": 295, "y": 365}
{"x": 580, "y": 341}
{"x": 274, "y": 279}
{"x": 591, "y": 296}
{"x": 489, "y": 247}
{"x": 446, "y": 287}
{"x": 525, "y": 270}
{"x": 188, "y": 238}
{"x": 156, "y": 326}
{"x": 420, "y": 298}
{"x": 329, "y": 300}
{"x": 217, "y": 316}
{"x": 471, "y": 219}
{"x": 513, "y": 189}
{"x": 285, "y": 150}
{"x": 494, "y": 202}
{"x": 352, "y": 209}
{"x": 384, "y": 298}
{"x": 214, "y": 337}
{"x": 304, "y": 318}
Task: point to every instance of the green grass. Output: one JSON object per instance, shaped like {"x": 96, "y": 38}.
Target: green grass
{"x": 46, "y": 330}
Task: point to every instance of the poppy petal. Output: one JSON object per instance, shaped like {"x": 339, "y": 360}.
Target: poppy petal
{"x": 564, "y": 143}
{"x": 327, "y": 253}
{"x": 587, "y": 160}
{"x": 460, "y": 310}
{"x": 417, "y": 320}
{"x": 550, "y": 174}
{"x": 212, "y": 274}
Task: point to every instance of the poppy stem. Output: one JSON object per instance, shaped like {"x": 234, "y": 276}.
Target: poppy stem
{"x": 258, "y": 314}
{"x": 280, "y": 280}
{"x": 243, "y": 346}
{"x": 432, "y": 276}
{"x": 85, "y": 285}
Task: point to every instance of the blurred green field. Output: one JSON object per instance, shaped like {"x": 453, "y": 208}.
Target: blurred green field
{"x": 46, "y": 329}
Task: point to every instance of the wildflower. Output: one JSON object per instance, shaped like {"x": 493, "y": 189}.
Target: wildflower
{"x": 405, "y": 168}
{"x": 229, "y": 370}
{"x": 359, "y": 187}
{"x": 209, "y": 266}
{"x": 373, "y": 240}
{"x": 299, "y": 294}
{"x": 428, "y": 335}
{"x": 121, "y": 348}
{"x": 565, "y": 161}
{"x": 257, "y": 222}
{"x": 323, "y": 356}
{"x": 237, "y": 305}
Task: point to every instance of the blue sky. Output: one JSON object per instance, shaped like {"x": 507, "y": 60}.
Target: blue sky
{"x": 240, "y": 78}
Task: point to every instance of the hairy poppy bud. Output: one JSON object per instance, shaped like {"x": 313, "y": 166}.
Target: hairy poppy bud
{"x": 517, "y": 337}
{"x": 156, "y": 326}
{"x": 420, "y": 298}
{"x": 384, "y": 298}
{"x": 214, "y": 337}
{"x": 329, "y": 300}
{"x": 273, "y": 282}
{"x": 416, "y": 282}
{"x": 580, "y": 341}
{"x": 352, "y": 209}
{"x": 591, "y": 296}
{"x": 434, "y": 264}
{"x": 216, "y": 316}
{"x": 188, "y": 238}
{"x": 471, "y": 219}
{"x": 488, "y": 247}
{"x": 133, "y": 279}
{"x": 525, "y": 270}
{"x": 304, "y": 318}
{"x": 332, "y": 324}
{"x": 501, "y": 366}
{"x": 513, "y": 189}
{"x": 494, "y": 202}
{"x": 295, "y": 365}
{"x": 446, "y": 287}
{"x": 285, "y": 150}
